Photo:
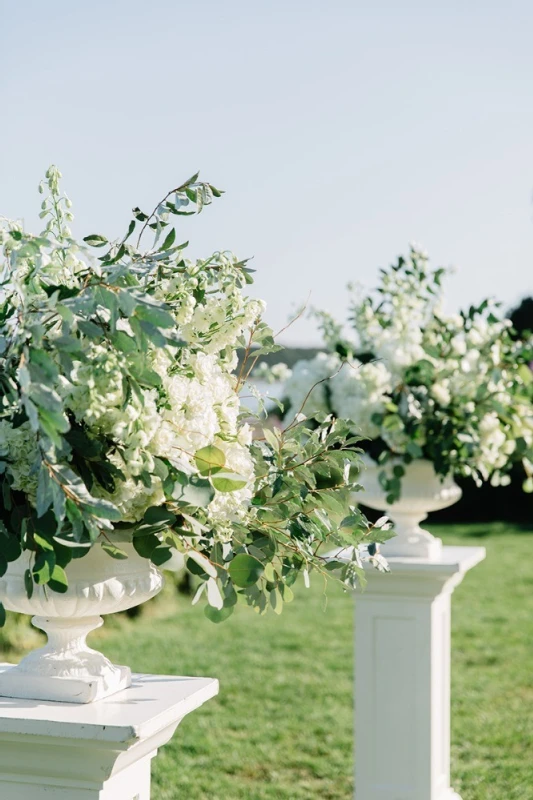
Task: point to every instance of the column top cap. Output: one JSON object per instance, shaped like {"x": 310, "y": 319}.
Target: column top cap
{"x": 450, "y": 560}
{"x": 150, "y": 705}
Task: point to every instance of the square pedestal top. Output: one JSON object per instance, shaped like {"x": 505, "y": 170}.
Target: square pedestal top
{"x": 151, "y": 704}
{"x": 451, "y": 559}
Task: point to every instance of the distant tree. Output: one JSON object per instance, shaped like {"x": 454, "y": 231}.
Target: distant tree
{"x": 522, "y": 317}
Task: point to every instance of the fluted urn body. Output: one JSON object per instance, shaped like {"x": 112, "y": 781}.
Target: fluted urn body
{"x": 66, "y": 669}
{"x": 422, "y": 491}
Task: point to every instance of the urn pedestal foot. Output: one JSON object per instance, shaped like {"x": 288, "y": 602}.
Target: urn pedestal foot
{"x": 65, "y": 670}
{"x": 411, "y": 541}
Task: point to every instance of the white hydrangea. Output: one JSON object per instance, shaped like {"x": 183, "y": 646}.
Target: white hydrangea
{"x": 305, "y": 374}
{"x": 19, "y": 447}
{"x": 494, "y": 445}
{"x": 197, "y": 408}
{"x": 131, "y": 496}
{"x": 359, "y": 391}
{"x": 440, "y": 391}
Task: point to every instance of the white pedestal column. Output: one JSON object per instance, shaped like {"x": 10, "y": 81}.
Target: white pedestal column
{"x": 402, "y": 677}
{"x": 98, "y": 751}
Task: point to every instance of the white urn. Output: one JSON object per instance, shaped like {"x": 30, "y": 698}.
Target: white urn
{"x": 66, "y": 669}
{"x": 422, "y": 491}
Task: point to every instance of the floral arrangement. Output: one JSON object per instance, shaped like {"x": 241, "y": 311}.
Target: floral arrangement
{"x": 455, "y": 390}
{"x": 121, "y": 420}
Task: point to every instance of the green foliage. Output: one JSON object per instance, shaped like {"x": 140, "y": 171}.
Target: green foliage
{"x": 106, "y": 344}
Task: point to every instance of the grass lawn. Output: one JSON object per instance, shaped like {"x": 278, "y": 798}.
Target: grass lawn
{"x": 281, "y": 728}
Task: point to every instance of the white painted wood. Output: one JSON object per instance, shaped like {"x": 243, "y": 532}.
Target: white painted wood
{"x": 423, "y": 491}
{"x": 97, "y": 751}
{"x": 66, "y": 669}
{"x": 402, "y": 677}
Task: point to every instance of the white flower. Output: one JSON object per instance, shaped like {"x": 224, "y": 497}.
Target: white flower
{"x": 281, "y": 372}
{"x": 459, "y": 345}
{"x": 307, "y": 374}
{"x": 359, "y": 391}
{"x": 18, "y": 446}
{"x": 441, "y": 392}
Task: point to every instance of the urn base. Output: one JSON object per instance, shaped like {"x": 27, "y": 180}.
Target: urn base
{"x": 65, "y": 670}
{"x": 411, "y": 541}
{"x": 17, "y": 684}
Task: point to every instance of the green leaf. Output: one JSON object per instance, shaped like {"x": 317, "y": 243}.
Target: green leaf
{"x": 118, "y": 255}
{"x": 43, "y": 543}
{"x": 214, "y": 596}
{"x": 145, "y": 545}
{"x": 44, "y": 493}
{"x": 44, "y": 567}
{"x": 58, "y": 580}
{"x": 10, "y": 547}
{"x": 197, "y": 492}
{"x": 123, "y": 342}
{"x": 28, "y": 583}
{"x": 228, "y": 482}
{"x": 203, "y": 562}
{"x": 209, "y": 460}
{"x": 95, "y": 240}
{"x": 276, "y": 601}
{"x": 157, "y": 316}
{"x": 90, "y": 329}
{"x": 272, "y": 439}
{"x": 161, "y": 555}
{"x": 169, "y": 240}
{"x": 245, "y": 570}
{"x": 153, "y": 333}
{"x": 159, "y": 514}
{"x": 113, "y": 551}
{"x": 3, "y": 615}
{"x": 102, "y": 508}
{"x": 288, "y": 594}
{"x": 525, "y": 374}
{"x": 414, "y": 450}
{"x": 216, "y": 615}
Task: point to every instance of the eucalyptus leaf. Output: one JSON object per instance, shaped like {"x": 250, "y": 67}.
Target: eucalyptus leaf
{"x": 245, "y": 570}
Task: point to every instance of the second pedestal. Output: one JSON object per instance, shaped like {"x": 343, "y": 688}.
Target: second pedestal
{"x": 402, "y": 677}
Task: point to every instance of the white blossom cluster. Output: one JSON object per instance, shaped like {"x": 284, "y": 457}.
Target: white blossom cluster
{"x": 196, "y": 405}
{"x": 455, "y": 389}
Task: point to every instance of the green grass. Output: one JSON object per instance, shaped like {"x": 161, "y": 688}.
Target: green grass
{"x": 281, "y": 728}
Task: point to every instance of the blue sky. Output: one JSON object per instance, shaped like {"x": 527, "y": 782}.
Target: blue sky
{"x": 341, "y": 131}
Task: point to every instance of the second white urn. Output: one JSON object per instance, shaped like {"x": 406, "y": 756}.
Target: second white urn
{"x": 422, "y": 491}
